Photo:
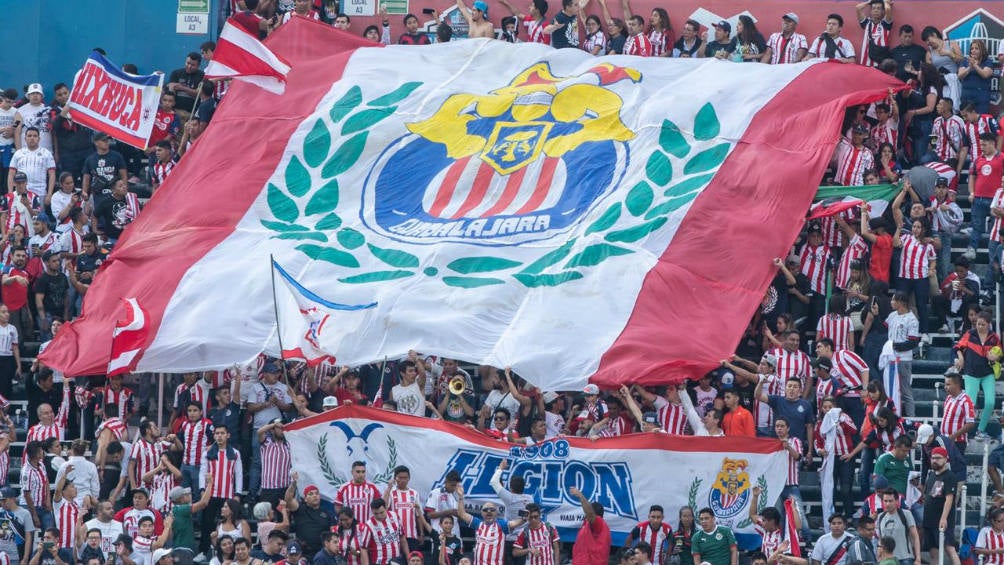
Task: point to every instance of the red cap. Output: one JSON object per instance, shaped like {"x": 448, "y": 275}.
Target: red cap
{"x": 416, "y": 554}
{"x": 307, "y": 489}
{"x": 939, "y": 451}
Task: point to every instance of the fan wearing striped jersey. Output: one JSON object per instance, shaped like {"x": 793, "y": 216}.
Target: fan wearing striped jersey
{"x": 489, "y": 531}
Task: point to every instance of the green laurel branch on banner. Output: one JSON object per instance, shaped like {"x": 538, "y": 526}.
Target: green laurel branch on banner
{"x": 326, "y": 471}
{"x": 304, "y": 213}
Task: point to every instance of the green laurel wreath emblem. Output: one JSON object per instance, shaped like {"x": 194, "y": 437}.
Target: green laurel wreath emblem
{"x": 304, "y": 210}
{"x": 335, "y": 481}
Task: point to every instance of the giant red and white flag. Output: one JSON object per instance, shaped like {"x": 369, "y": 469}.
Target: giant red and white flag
{"x": 240, "y": 55}
{"x": 576, "y": 218}
{"x": 130, "y": 335}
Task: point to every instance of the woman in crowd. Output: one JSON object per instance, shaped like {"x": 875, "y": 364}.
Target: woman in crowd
{"x": 973, "y": 358}
{"x": 660, "y": 32}
{"x": 351, "y": 541}
{"x": 231, "y": 523}
{"x": 224, "y": 551}
{"x": 750, "y": 41}
{"x": 889, "y": 170}
{"x": 596, "y": 41}
{"x": 922, "y": 102}
{"x": 945, "y": 55}
{"x": 917, "y": 263}
{"x": 975, "y": 72}
{"x": 682, "y": 536}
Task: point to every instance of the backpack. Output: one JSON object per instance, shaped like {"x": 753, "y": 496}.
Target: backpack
{"x": 902, "y": 520}
{"x": 966, "y": 555}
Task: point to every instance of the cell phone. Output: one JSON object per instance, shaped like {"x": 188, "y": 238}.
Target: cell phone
{"x": 428, "y": 11}
{"x": 523, "y": 513}
{"x": 47, "y": 545}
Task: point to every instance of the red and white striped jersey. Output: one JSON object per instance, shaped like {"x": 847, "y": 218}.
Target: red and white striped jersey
{"x": 832, "y": 236}
{"x": 384, "y": 539}
{"x": 793, "y": 463}
{"x": 885, "y": 438}
{"x": 275, "y": 464}
{"x": 40, "y": 432}
{"x": 542, "y": 539}
{"x": 849, "y": 367}
{"x": 194, "y": 437}
{"x": 975, "y": 130}
{"x": 824, "y": 388}
{"x": 845, "y": 435}
{"x": 5, "y": 466}
{"x": 160, "y": 492}
{"x": 660, "y": 42}
{"x": 885, "y": 132}
{"x": 992, "y": 540}
{"x": 116, "y": 426}
{"x": 836, "y": 327}
{"x": 535, "y": 30}
{"x": 997, "y": 202}
{"x": 143, "y": 546}
{"x": 959, "y": 411}
{"x": 655, "y": 537}
{"x": 72, "y": 241}
{"x": 772, "y": 386}
{"x": 856, "y": 249}
{"x": 876, "y": 33}
{"x": 950, "y": 134}
{"x": 198, "y": 392}
{"x": 228, "y": 473}
{"x": 672, "y": 417}
{"x": 489, "y": 541}
{"x": 350, "y": 541}
{"x": 130, "y": 517}
{"x": 771, "y": 540}
{"x": 785, "y": 49}
{"x": 916, "y": 258}
{"x": 66, "y": 512}
{"x": 147, "y": 457}
{"x": 812, "y": 263}
{"x": 123, "y": 398}
{"x": 357, "y": 497}
{"x": 791, "y": 364}
{"x": 402, "y": 502}
{"x": 35, "y": 482}
{"x": 852, "y": 162}
{"x": 639, "y": 45}
{"x": 17, "y": 213}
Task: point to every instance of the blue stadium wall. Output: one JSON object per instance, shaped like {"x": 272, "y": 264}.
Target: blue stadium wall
{"x": 47, "y": 41}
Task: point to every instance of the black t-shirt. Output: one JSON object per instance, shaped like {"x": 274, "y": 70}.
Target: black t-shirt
{"x": 54, "y": 289}
{"x": 204, "y": 113}
{"x": 915, "y": 54}
{"x": 693, "y": 51}
{"x": 113, "y": 216}
{"x": 454, "y": 548}
{"x": 567, "y": 36}
{"x": 745, "y": 392}
{"x": 310, "y": 524}
{"x": 103, "y": 169}
{"x": 87, "y": 264}
{"x": 616, "y": 44}
{"x": 182, "y": 100}
{"x": 757, "y": 45}
{"x": 714, "y": 47}
{"x": 935, "y": 491}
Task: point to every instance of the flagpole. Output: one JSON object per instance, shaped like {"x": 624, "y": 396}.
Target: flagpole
{"x": 275, "y": 309}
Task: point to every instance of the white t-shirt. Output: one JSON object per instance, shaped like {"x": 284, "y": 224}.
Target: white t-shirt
{"x": 110, "y": 531}
{"x": 439, "y": 500}
{"x": 901, "y": 328}
{"x": 825, "y": 546}
{"x": 409, "y": 399}
{"x": 7, "y": 120}
{"x": 8, "y": 338}
{"x": 36, "y": 165}
{"x": 36, "y": 117}
{"x": 497, "y": 399}
{"x": 60, "y": 200}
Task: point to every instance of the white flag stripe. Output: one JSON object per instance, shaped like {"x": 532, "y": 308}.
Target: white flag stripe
{"x": 123, "y": 360}
{"x": 270, "y": 84}
{"x": 242, "y": 39}
{"x": 138, "y": 318}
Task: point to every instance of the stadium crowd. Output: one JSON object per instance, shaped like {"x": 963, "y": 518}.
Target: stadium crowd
{"x": 99, "y": 482}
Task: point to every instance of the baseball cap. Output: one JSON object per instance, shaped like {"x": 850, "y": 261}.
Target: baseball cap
{"x": 42, "y": 217}
{"x": 481, "y": 5}
{"x": 815, "y": 227}
{"x": 939, "y": 451}
{"x": 416, "y": 554}
{"x": 294, "y": 548}
{"x": 329, "y": 401}
{"x": 100, "y": 136}
{"x": 9, "y": 93}
{"x": 20, "y": 177}
{"x": 34, "y": 88}
{"x": 880, "y": 483}
{"x": 270, "y": 367}
{"x": 770, "y": 359}
{"x": 724, "y": 25}
{"x": 591, "y": 389}
{"x": 822, "y": 363}
{"x": 141, "y": 490}
{"x": 791, "y": 16}
{"x": 942, "y": 181}
{"x": 549, "y": 397}
{"x": 177, "y": 493}
{"x": 8, "y": 492}
{"x": 924, "y": 433}
{"x": 124, "y": 538}
{"x": 159, "y": 554}
{"x": 860, "y": 128}
{"x": 310, "y": 488}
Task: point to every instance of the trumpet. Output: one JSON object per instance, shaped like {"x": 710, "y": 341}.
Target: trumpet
{"x": 458, "y": 385}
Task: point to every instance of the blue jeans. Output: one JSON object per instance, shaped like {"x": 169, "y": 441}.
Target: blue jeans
{"x": 945, "y": 254}
{"x": 921, "y": 289}
{"x": 190, "y": 478}
{"x": 254, "y": 473}
{"x": 865, "y": 470}
{"x": 980, "y": 213}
